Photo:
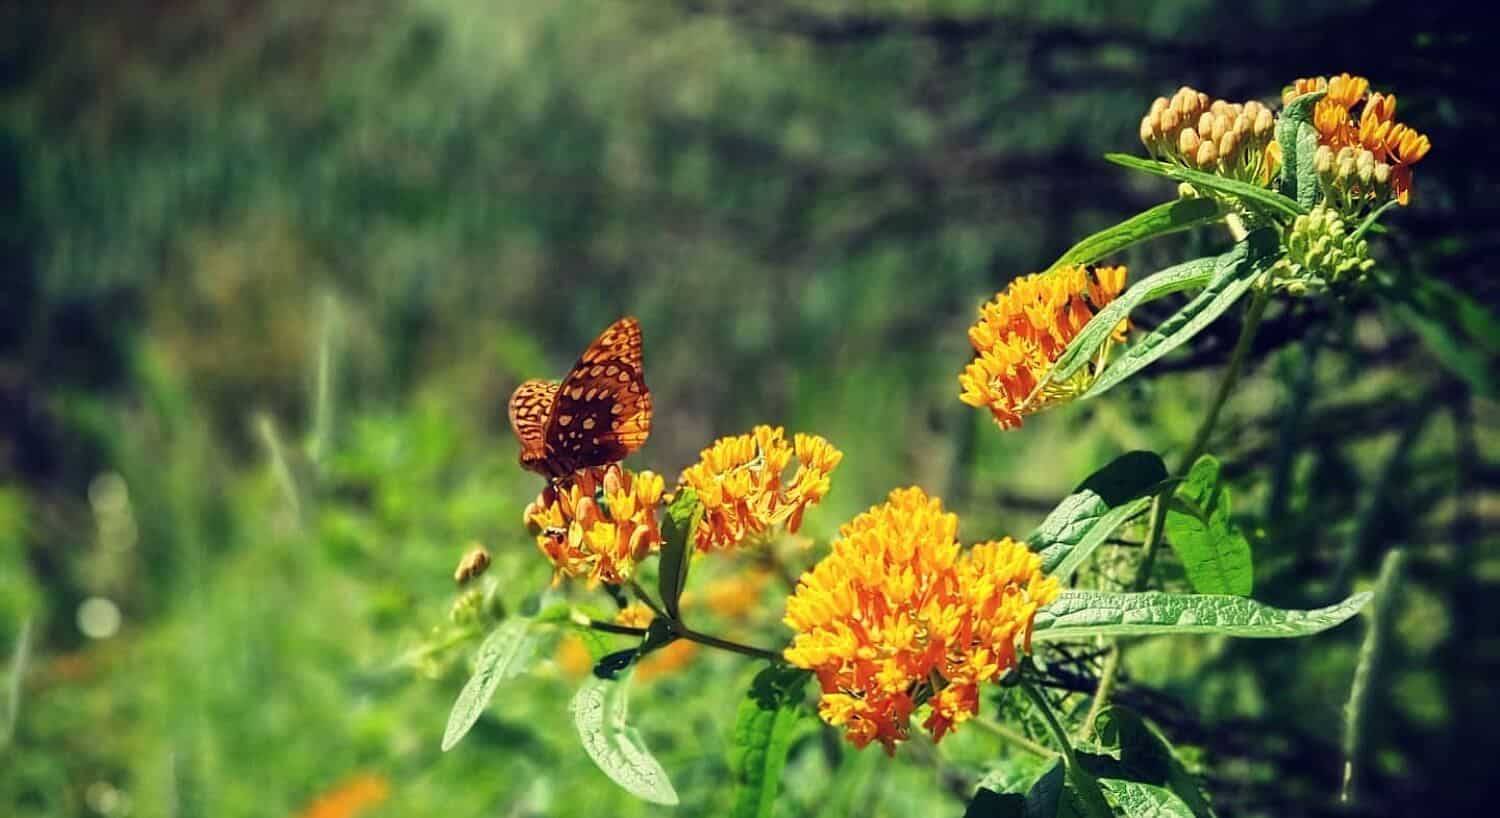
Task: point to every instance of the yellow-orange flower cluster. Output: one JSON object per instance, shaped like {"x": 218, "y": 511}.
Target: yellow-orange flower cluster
{"x": 1211, "y": 135}
{"x": 598, "y": 524}
{"x": 739, "y": 481}
{"x": 1371, "y": 142}
{"x": 898, "y": 615}
{"x": 1024, "y": 330}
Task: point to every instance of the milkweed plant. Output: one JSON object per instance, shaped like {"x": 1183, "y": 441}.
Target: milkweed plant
{"x": 900, "y": 625}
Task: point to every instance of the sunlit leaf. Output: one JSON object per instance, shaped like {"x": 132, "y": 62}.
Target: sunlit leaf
{"x": 1214, "y": 551}
{"x": 599, "y": 712}
{"x": 678, "y": 528}
{"x": 770, "y": 718}
{"x": 505, "y": 653}
{"x": 1142, "y": 754}
{"x": 1234, "y": 273}
{"x": 1138, "y": 800}
{"x": 1086, "y": 343}
{"x": 1161, "y": 220}
{"x": 1253, "y": 195}
{"x": 1299, "y": 144}
{"x": 1087, "y": 516}
{"x": 1086, "y": 614}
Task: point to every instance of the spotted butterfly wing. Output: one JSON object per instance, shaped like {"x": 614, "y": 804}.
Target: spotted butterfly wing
{"x": 599, "y": 414}
{"x": 530, "y": 406}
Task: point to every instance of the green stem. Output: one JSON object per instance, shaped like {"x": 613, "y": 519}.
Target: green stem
{"x": 1010, "y": 736}
{"x": 641, "y": 594}
{"x": 1085, "y": 786}
{"x": 1156, "y": 530}
{"x": 724, "y": 644}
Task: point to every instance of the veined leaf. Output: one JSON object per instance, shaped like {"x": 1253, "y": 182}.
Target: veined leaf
{"x": 505, "y": 653}
{"x": 1139, "y": 800}
{"x": 769, "y": 720}
{"x": 678, "y": 530}
{"x": 987, "y": 803}
{"x": 1144, "y": 755}
{"x": 1214, "y": 551}
{"x": 1085, "y": 518}
{"x": 599, "y": 711}
{"x": 1244, "y": 191}
{"x": 1234, "y": 273}
{"x": 1299, "y": 145}
{"x": 1161, "y": 220}
{"x": 1086, "y": 614}
{"x": 1081, "y": 349}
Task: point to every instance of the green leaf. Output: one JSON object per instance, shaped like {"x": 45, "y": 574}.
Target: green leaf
{"x": 1087, "y": 516}
{"x": 678, "y": 530}
{"x": 1234, "y": 273}
{"x": 505, "y": 653}
{"x": 1086, "y": 614}
{"x": 1143, "y": 754}
{"x": 1299, "y": 145}
{"x": 599, "y": 710}
{"x": 1214, "y": 551}
{"x": 1253, "y": 195}
{"x": 1138, "y": 800}
{"x": 1463, "y": 334}
{"x": 1164, "y": 219}
{"x": 769, "y": 719}
{"x": 987, "y": 803}
{"x": 1081, "y": 349}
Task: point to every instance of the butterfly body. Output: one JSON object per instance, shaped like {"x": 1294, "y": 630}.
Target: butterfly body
{"x": 597, "y": 415}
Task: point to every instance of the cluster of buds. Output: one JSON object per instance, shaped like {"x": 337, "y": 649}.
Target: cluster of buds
{"x": 1322, "y": 252}
{"x": 1211, "y": 135}
{"x": 1364, "y": 158}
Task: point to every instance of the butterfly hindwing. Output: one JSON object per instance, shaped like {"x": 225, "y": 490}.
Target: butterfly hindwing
{"x": 530, "y": 406}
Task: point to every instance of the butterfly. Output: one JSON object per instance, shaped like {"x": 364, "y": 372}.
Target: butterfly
{"x": 595, "y": 416}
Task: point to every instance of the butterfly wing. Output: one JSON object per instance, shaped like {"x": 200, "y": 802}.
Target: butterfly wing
{"x": 603, "y": 408}
{"x": 530, "y": 406}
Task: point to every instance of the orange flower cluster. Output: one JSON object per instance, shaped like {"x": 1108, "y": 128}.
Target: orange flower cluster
{"x": 598, "y": 524}
{"x": 349, "y": 797}
{"x": 1024, "y": 330}
{"x": 1372, "y": 139}
{"x": 898, "y": 615}
{"x": 1211, "y": 135}
{"x": 739, "y": 482}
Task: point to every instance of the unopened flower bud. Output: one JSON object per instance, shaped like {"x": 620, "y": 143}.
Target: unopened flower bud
{"x": 1159, "y": 104}
{"x": 1187, "y": 142}
{"x": 1382, "y": 174}
{"x": 1207, "y": 154}
{"x": 1148, "y": 131}
{"x": 1170, "y": 119}
{"x": 1228, "y": 144}
{"x": 1323, "y": 160}
{"x": 1265, "y": 122}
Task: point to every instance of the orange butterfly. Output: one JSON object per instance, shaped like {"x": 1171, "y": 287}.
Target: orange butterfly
{"x": 597, "y": 415}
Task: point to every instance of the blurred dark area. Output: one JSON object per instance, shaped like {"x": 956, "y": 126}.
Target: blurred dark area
{"x": 269, "y": 272}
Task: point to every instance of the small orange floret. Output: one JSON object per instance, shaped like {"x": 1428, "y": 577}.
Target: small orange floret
{"x": 1024, "y": 330}
{"x": 741, "y": 482}
{"x": 898, "y": 615}
{"x": 598, "y": 524}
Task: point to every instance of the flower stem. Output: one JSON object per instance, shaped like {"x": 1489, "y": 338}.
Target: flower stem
{"x": 640, "y": 593}
{"x": 724, "y": 644}
{"x": 1156, "y": 530}
{"x": 1010, "y": 736}
{"x": 1085, "y": 786}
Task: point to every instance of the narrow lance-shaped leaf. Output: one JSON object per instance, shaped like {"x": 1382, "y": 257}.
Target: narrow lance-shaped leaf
{"x": 1214, "y": 551}
{"x": 1161, "y": 220}
{"x": 770, "y": 718}
{"x": 678, "y": 531}
{"x": 505, "y": 653}
{"x": 1086, "y": 343}
{"x": 1086, "y": 614}
{"x": 1096, "y": 508}
{"x": 599, "y": 711}
{"x": 1252, "y": 195}
{"x": 1233, "y": 276}
{"x": 1299, "y": 145}
{"x": 1462, "y": 333}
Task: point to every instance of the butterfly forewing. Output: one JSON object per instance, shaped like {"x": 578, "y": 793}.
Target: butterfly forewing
{"x": 599, "y": 414}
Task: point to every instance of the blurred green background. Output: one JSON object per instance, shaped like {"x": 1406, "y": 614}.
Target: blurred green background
{"x": 269, "y": 271}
